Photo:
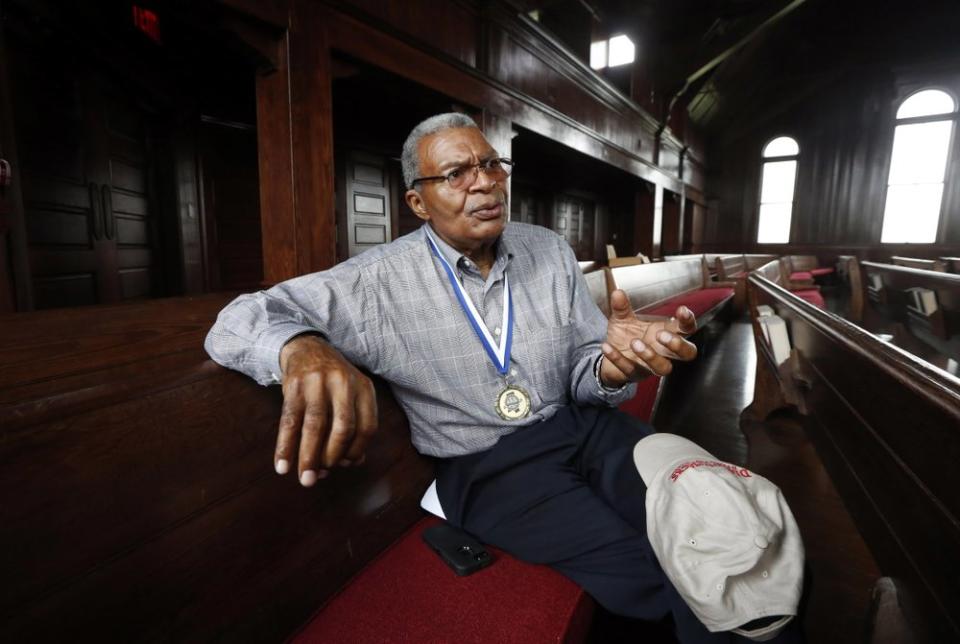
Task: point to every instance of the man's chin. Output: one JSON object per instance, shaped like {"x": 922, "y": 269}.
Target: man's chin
{"x": 491, "y": 227}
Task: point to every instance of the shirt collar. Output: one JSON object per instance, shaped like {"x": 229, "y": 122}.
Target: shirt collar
{"x": 453, "y": 256}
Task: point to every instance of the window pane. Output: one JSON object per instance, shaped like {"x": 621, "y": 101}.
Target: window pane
{"x": 774, "y": 225}
{"x": 927, "y": 103}
{"x": 920, "y": 152}
{"x": 621, "y": 51}
{"x": 598, "y": 54}
{"x": 782, "y": 146}
{"x": 912, "y": 214}
{"x": 778, "y": 178}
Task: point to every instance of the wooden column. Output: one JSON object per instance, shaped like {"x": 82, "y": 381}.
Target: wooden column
{"x": 16, "y": 293}
{"x": 643, "y": 220}
{"x": 499, "y": 133}
{"x": 295, "y": 147}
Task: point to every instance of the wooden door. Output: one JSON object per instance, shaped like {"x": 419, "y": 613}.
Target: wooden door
{"x": 368, "y": 202}
{"x": 670, "y": 239}
{"x": 85, "y": 172}
{"x": 523, "y": 206}
{"x": 573, "y": 218}
{"x": 122, "y": 130}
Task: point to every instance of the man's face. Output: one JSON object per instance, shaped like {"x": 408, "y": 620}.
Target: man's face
{"x": 465, "y": 218}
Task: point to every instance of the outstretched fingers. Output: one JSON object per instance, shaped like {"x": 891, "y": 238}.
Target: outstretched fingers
{"x": 641, "y": 364}
{"x": 684, "y": 322}
{"x": 675, "y": 346}
{"x": 620, "y": 308}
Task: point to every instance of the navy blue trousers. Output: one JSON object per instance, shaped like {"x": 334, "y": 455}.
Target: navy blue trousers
{"x": 565, "y": 493}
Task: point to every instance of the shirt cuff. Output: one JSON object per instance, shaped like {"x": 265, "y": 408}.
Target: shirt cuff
{"x": 606, "y": 395}
{"x": 271, "y": 343}
{"x": 596, "y": 374}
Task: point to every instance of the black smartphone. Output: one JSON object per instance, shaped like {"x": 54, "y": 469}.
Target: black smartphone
{"x": 464, "y": 554}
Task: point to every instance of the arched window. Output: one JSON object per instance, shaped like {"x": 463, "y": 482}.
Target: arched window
{"x": 921, "y": 143}
{"x": 776, "y": 190}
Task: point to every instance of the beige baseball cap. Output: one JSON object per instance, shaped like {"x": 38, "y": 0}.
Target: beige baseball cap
{"x": 724, "y": 536}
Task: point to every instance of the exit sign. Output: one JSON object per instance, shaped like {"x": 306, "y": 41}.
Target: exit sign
{"x": 148, "y": 22}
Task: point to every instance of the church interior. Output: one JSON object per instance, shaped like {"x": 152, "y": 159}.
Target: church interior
{"x": 787, "y": 169}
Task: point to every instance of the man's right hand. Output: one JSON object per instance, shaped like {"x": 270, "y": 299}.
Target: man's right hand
{"x": 329, "y": 410}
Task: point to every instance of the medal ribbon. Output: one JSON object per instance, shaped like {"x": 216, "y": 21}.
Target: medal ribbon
{"x": 499, "y": 354}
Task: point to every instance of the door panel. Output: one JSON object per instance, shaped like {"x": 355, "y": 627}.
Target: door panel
{"x": 368, "y": 202}
{"x": 85, "y": 175}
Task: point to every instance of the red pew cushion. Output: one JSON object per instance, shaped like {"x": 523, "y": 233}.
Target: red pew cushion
{"x": 641, "y": 405}
{"x": 817, "y": 272}
{"x": 698, "y": 301}
{"x": 801, "y": 276}
{"x": 408, "y": 594}
{"x": 813, "y": 296}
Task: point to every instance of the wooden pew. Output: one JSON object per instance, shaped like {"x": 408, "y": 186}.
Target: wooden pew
{"x": 599, "y": 283}
{"x": 730, "y": 267}
{"x": 807, "y": 264}
{"x": 708, "y": 258}
{"x": 799, "y": 279}
{"x": 658, "y": 289}
{"x": 848, "y": 270}
{"x": 951, "y": 264}
{"x": 922, "y": 264}
{"x": 735, "y": 268}
{"x": 773, "y": 271}
{"x": 139, "y": 503}
{"x": 885, "y": 425}
{"x": 756, "y": 260}
{"x": 926, "y": 302}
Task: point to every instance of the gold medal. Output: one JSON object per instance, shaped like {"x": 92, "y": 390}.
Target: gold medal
{"x": 513, "y": 403}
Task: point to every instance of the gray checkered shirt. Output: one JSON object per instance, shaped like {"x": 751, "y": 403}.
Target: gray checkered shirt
{"x": 392, "y": 310}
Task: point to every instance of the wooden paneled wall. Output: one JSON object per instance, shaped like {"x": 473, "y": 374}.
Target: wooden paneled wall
{"x": 485, "y": 56}
{"x": 845, "y": 132}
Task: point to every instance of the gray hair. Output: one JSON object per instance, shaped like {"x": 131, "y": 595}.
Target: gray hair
{"x": 410, "y": 159}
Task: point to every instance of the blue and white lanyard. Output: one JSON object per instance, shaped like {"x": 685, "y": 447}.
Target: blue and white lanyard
{"x": 499, "y": 353}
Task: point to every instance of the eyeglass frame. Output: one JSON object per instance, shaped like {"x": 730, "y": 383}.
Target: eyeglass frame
{"x": 476, "y": 167}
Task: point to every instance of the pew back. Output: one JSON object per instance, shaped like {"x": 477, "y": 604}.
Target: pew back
{"x": 951, "y": 264}
{"x": 927, "y": 302}
{"x": 648, "y": 284}
{"x": 729, "y": 266}
{"x": 599, "y": 284}
{"x": 887, "y": 426}
{"x": 756, "y": 260}
{"x": 922, "y": 264}
{"x": 802, "y": 262}
{"x": 848, "y": 268}
{"x": 137, "y": 495}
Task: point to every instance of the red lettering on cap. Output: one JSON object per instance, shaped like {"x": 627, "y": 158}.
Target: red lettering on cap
{"x": 733, "y": 469}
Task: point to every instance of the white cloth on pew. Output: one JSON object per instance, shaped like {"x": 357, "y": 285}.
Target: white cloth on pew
{"x": 431, "y": 501}
{"x": 775, "y": 331}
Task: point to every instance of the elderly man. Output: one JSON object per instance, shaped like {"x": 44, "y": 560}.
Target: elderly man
{"x": 506, "y": 369}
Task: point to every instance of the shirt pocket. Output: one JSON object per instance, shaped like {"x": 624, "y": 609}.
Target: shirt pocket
{"x": 543, "y": 359}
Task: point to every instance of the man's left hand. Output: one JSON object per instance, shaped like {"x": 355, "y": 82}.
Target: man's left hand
{"x": 636, "y": 348}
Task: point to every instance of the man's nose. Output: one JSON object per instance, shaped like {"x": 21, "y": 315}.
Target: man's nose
{"x": 482, "y": 182}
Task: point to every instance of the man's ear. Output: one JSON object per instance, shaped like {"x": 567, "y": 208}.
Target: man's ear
{"x": 415, "y": 201}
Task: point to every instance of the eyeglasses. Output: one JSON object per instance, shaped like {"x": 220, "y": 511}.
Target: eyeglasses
{"x": 498, "y": 169}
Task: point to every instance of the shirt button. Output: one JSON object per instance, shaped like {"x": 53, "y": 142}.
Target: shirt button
{"x": 513, "y": 372}
{"x": 496, "y": 331}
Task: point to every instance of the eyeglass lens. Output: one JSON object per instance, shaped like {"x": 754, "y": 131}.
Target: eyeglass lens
{"x": 496, "y": 169}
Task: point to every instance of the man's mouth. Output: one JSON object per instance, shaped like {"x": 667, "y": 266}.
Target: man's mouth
{"x": 490, "y": 211}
